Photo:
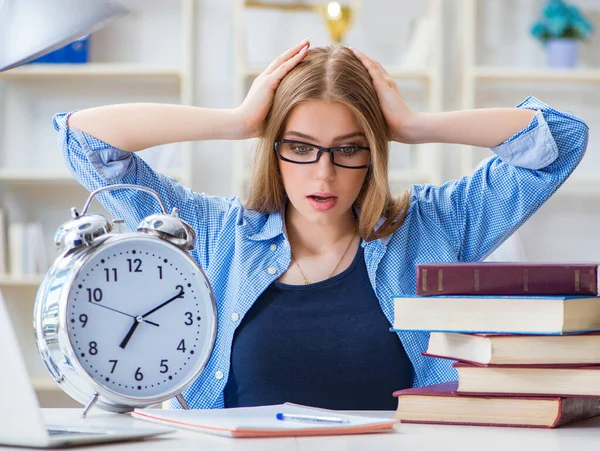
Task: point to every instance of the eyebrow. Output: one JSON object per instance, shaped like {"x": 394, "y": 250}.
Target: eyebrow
{"x": 337, "y": 138}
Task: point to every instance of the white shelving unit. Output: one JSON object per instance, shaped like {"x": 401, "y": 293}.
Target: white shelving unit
{"x": 40, "y": 193}
{"x": 427, "y": 164}
{"x": 476, "y": 75}
{"x": 92, "y": 70}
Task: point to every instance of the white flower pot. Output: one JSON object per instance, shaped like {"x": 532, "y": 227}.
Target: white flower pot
{"x": 562, "y": 53}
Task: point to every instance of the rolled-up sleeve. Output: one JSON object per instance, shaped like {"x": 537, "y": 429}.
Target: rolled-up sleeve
{"x": 96, "y": 164}
{"x": 479, "y": 211}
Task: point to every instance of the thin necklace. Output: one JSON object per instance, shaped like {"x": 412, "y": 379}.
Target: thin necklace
{"x": 306, "y": 282}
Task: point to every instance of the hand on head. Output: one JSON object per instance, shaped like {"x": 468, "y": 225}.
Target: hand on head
{"x": 259, "y": 99}
{"x": 253, "y": 111}
{"x": 398, "y": 115}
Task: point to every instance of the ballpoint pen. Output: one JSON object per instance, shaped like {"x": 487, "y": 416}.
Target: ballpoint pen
{"x": 310, "y": 418}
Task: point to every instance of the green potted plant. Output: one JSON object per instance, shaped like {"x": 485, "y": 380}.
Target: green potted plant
{"x": 560, "y": 28}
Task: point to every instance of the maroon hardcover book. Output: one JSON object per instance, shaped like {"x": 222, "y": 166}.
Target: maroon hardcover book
{"x": 507, "y": 278}
{"x": 489, "y": 411}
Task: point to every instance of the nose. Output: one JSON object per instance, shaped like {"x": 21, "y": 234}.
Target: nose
{"x": 324, "y": 168}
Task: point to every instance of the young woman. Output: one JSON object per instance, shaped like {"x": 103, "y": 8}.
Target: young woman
{"x": 304, "y": 273}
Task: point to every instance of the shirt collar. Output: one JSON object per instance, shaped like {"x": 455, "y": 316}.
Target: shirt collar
{"x": 274, "y": 226}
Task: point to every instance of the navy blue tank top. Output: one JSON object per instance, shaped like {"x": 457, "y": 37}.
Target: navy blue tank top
{"x": 326, "y": 344}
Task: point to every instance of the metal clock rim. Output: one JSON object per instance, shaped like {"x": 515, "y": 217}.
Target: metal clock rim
{"x": 66, "y": 348}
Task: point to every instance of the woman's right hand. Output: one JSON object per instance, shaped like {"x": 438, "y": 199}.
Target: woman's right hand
{"x": 258, "y": 101}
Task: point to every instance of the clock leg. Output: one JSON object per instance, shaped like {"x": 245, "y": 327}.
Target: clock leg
{"x": 89, "y": 404}
{"x": 179, "y": 398}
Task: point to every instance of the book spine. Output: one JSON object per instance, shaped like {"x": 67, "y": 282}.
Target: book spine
{"x": 495, "y": 279}
{"x": 576, "y": 409}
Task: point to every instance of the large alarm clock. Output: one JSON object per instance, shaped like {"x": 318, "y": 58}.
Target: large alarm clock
{"x": 124, "y": 320}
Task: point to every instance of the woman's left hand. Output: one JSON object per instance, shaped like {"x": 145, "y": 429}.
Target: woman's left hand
{"x": 399, "y": 117}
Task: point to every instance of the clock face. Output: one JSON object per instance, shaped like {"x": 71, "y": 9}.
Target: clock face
{"x": 140, "y": 317}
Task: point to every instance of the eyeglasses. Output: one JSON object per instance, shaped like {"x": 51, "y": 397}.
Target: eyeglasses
{"x": 352, "y": 157}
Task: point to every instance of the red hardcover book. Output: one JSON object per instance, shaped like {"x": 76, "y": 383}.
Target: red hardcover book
{"x": 507, "y": 278}
{"x": 506, "y": 380}
{"x": 441, "y": 404}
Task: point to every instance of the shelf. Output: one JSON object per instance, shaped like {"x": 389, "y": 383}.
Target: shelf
{"x": 395, "y": 72}
{"x": 23, "y": 177}
{"x": 34, "y": 177}
{"x": 406, "y": 73}
{"x": 407, "y": 176}
{"x": 7, "y": 280}
{"x": 580, "y": 186}
{"x": 491, "y": 73}
{"x": 40, "y": 70}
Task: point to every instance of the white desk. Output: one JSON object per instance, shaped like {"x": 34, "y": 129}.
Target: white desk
{"x": 582, "y": 436}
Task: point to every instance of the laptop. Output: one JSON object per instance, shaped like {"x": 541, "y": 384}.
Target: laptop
{"x": 21, "y": 421}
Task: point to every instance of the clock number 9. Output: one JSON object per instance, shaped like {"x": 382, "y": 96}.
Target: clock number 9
{"x": 83, "y": 318}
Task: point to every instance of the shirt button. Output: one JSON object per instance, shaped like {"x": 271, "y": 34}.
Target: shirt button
{"x": 235, "y": 316}
{"x": 219, "y": 374}
{"x": 273, "y": 247}
{"x": 271, "y": 270}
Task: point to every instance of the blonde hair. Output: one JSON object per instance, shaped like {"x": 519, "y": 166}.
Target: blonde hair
{"x": 331, "y": 74}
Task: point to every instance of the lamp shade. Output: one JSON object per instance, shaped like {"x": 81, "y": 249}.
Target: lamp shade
{"x": 31, "y": 28}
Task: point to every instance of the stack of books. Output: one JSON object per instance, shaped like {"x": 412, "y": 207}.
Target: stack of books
{"x": 526, "y": 338}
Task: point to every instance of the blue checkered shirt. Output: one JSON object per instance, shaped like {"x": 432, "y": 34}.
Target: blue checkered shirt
{"x": 242, "y": 252}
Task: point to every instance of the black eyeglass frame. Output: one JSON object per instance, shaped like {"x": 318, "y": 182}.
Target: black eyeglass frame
{"x": 319, "y": 153}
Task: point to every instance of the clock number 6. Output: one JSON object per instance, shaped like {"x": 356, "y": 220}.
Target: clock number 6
{"x": 138, "y": 374}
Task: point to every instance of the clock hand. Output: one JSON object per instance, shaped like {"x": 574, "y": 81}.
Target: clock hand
{"x": 178, "y": 295}
{"x": 122, "y": 313}
{"x": 136, "y": 321}
{"x": 141, "y": 318}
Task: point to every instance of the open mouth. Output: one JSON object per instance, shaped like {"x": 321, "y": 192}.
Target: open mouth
{"x": 322, "y": 199}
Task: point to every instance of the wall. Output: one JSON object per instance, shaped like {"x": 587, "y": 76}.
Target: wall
{"x": 565, "y": 228}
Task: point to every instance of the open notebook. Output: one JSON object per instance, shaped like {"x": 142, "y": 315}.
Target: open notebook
{"x": 262, "y": 421}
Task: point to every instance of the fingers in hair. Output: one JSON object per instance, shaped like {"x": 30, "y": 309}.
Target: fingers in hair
{"x": 285, "y": 56}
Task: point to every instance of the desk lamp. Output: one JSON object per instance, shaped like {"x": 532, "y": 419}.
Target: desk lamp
{"x": 31, "y": 28}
